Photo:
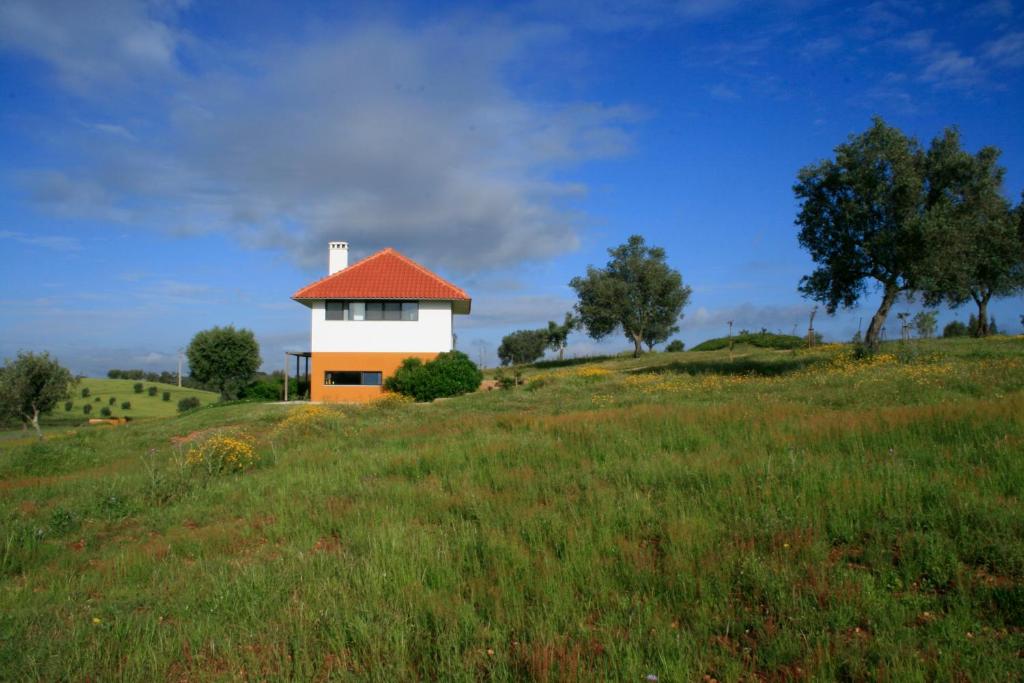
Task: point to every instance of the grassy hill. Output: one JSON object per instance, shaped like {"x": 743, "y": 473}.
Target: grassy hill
{"x": 761, "y": 340}
{"x": 780, "y": 515}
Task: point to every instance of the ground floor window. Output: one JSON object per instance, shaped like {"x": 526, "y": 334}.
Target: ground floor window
{"x": 353, "y": 378}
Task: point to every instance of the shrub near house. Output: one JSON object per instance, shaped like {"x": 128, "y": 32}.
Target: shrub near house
{"x": 450, "y": 374}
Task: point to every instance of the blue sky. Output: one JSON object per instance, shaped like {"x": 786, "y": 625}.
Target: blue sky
{"x": 168, "y": 166}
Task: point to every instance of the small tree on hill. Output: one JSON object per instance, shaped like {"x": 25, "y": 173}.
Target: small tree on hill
{"x": 522, "y": 346}
{"x": 924, "y": 323}
{"x": 954, "y": 328}
{"x": 32, "y": 385}
{"x": 224, "y": 358}
{"x": 558, "y": 335}
{"x": 636, "y": 292}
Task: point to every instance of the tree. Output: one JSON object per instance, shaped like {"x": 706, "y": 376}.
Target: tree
{"x": 925, "y": 322}
{"x": 675, "y": 346}
{"x": 860, "y": 216}
{"x": 557, "y": 335}
{"x": 32, "y": 385}
{"x": 522, "y": 346}
{"x": 224, "y": 359}
{"x": 975, "y": 248}
{"x": 636, "y": 292}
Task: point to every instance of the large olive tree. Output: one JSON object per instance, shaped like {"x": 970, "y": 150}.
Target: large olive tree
{"x": 860, "y": 217}
{"x": 636, "y": 292}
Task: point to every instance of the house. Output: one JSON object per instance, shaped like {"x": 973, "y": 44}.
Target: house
{"x": 370, "y": 316}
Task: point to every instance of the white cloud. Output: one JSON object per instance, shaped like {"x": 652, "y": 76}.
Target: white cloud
{"x": 1007, "y": 50}
{"x": 380, "y": 135}
{"x": 91, "y": 43}
{"x": 56, "y": 242}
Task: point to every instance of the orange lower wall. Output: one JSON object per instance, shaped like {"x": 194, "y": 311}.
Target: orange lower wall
{"x": 385, "y": 363}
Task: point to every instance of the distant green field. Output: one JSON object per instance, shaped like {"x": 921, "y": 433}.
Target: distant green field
{"x": 758, "y": 516}
{"x": 102, "y": 390}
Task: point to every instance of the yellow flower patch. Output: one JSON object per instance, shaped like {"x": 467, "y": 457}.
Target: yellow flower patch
{"x": 223, "y": 454}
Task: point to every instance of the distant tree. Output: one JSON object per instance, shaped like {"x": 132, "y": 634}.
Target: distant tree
{"x": 522, "y": 346}
{"x": 975, "y": 247}
{"x": 68, "y": 405}
{"x": 87, "y": 408}
{"x": 924, "y": 323}
{"x": 32, "y": 385}
{"x": 105, "y": 411}
{"x": 954, "y": 329}
{"x": 636, "y": 292}
{"x": 126, "y": 405}
{"x": 224, "y": 359}
{"x": 675, "y": 346}
{"x": 85, "y": 392}
{"x": 166, "y": 396}
{"x": 112, "y": 400}
{"x": 152, "y": 391}
{"x": 137, "y": 387}
{"x": 558, "y": 335}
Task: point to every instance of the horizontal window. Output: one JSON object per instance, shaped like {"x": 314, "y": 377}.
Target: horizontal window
{"x": 373, "y": 310}
{"x": 353, "y": 378}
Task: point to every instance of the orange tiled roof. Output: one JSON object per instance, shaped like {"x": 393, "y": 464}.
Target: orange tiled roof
{"x": 384, "y": 275}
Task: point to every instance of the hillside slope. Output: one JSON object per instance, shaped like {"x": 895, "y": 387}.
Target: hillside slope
{"x": 780, "y": 515}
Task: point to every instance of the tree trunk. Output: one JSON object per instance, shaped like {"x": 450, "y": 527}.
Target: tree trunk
{"x": 561, "y": 351}
{"x": 878, "y": 319}
{"x": 637, "y": 345}
{"x": 982, "y": 301}
{"x": 35, "y": 424}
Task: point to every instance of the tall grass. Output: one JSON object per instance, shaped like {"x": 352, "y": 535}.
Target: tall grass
{"x": 824, "y": 517}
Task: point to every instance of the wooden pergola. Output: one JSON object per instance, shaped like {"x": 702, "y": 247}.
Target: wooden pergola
{"x": 299, "y": 355}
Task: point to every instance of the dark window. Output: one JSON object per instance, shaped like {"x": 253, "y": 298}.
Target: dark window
{"x": 352, "y": 378}
{"x": 372, "y": 310}
{"x": 336, "y": 310}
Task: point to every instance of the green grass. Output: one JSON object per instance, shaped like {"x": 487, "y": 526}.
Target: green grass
{"x": 761, "y": 340}
{"x": 805, "y": 516}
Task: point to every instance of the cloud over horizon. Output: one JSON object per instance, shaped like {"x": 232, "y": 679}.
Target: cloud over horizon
{"x": 374, "y": 133}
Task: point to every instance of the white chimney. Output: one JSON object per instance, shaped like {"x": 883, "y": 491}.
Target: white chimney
{"x": 337, "y": 257}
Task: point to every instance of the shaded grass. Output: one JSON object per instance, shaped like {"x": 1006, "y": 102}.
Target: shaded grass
{"x": 838, "y": 522}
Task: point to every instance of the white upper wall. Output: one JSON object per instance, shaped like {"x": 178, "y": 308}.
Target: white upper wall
{"x": 432, "y": 333}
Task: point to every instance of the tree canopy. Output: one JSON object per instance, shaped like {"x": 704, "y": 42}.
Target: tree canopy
{"x": 31, "y": 385}
{"x": 223, "y": 358}
{"x": 523, "y": 346}
{"x": 636, "y": 292}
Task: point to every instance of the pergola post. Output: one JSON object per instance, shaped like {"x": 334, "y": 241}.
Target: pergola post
{"x": 286, "y": 376}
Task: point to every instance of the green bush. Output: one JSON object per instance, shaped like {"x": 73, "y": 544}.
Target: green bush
{"x": 97, "y": 399}
{"x": 187, "y": 404}
{"x": 267, "y": 389}
{"x": 675, "y": 346}
{"x": 167, "y": 396}
{"x": 138, "y": 387}
{"x": 105, "y": 411}
{"x": 68, "y": 405}
{"x": 87, "y": 408}
{"x": 152, "y": 391}
{"x": 86, "y": 392}
{"x": 954, "y": 329}
{"x": 126, "y": 405}
{"x": 112, "y": 401}
{"x": 450, "y": 374}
